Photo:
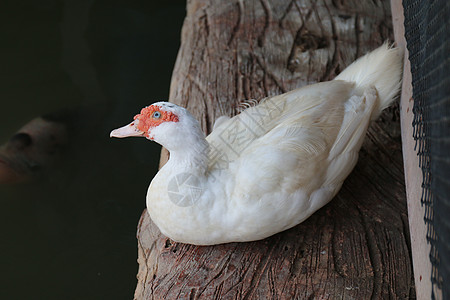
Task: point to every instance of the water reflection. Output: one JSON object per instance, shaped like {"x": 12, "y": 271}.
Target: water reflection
{"x": 69, "y": 233}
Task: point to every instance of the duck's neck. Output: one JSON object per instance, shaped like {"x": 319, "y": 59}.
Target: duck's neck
{"x": 192, "y": 159}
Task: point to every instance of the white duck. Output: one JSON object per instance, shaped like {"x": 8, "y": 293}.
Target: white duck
{"x": 270, "y": 167}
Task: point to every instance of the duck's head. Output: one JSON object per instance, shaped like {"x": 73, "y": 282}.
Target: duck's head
{"x": 167, "y": 124}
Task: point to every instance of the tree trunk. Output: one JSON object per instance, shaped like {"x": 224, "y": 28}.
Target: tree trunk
{"x": 357, "y": 246}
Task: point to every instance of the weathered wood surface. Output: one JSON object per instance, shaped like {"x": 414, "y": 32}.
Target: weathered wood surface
{"x": 356, "y": 247}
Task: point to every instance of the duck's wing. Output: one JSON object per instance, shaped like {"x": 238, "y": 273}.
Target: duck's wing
{"x": 298, "y": 114}
{"x": 311, "y": 156}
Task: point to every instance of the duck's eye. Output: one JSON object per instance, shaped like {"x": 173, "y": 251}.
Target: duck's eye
{"x": 156, "y": 115}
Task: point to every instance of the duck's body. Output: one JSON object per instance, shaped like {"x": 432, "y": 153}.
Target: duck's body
{"x": 270, "y": 167}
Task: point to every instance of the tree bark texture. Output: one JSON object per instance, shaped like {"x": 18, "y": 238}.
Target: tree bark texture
{"x": 357, "y": 246}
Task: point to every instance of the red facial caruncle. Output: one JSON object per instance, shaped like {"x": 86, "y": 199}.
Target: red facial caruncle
{"x": 152, "y": 116}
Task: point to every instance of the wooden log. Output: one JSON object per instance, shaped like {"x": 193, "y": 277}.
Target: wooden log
{"x": 357, "y": 246}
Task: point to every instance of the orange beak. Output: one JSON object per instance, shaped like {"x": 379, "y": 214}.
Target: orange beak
{"x": 126, "y": 131}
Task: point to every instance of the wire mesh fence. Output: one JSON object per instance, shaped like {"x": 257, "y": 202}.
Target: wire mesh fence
{"x": 427, "y": 32}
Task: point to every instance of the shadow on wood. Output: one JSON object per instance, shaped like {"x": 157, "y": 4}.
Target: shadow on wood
{"x": 357, "y": 246}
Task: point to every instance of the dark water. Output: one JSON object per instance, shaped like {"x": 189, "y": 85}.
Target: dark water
{"x": 70, "y": 233}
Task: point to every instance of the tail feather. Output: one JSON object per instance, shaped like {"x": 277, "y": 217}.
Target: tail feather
{"x": 381, "y": 68}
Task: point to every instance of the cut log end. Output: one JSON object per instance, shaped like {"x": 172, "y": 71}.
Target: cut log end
{"x": 356, "y": 247}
